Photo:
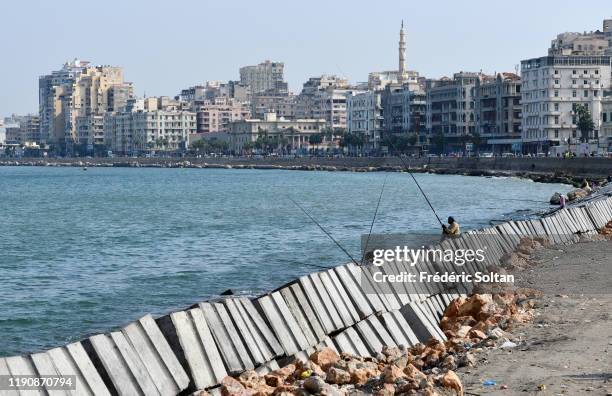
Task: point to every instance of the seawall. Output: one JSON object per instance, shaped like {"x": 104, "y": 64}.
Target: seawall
{"x": 196, "y": 347}
{"x": 539, "y": 169}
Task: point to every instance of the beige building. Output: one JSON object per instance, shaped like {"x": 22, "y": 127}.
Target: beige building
{"x": 71, "y": 97}
{"x": 215, "y": 115}
{"x": 282, "y": 105}
{"x": 292, "y": 135}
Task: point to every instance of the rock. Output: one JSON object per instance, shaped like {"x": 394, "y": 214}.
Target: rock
{"x": 477, "y": 334}
{"x": 400, "y": 361}
{"x": 273, "y": 380}
{"x": 362, "y": 375}
{"x": 314, "y": 384}
{"x": 555, "y": 199}
{"x": 449, "y": 363}
{"x": 391, "y": 352}
{"x": 386, "y": 390}
{"x": 232, "y": 387}
{"x": 285, "y": 390}
{"x": 200, "y": 393}
{"x": 338, "y": 376}
{"x": 325, "y": 358}
{"x": 463, "y": 331}
{"x": 392, "y": 373}
{"x": 250, "y": 379}
{"x": 308, "y": 365}
{"x": 467, "y": 360}
{"x": 474, "y": 305}
{"x": 451, "y": 380}
{"x": 413, "y": 373}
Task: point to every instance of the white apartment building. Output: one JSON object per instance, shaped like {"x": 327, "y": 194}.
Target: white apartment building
{"x": 605, "y": 131}
{"x": 138, "y": 131}
{"x": 364, "y": 117}
{"x": 552, "y": 86}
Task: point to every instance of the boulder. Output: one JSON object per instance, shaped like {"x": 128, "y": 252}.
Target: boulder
{"x": 232, "y": 387}
{"x": 451, "y": 380}
{"x": 555, "y": 199}
{"x": 314, "y": 384}
{"x": 392, "y": 373}
{"x": 338, "y": 376}
{"x": 325, "y": 358}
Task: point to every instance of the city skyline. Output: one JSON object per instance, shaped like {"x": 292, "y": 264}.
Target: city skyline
{"x": 341, "y": 45}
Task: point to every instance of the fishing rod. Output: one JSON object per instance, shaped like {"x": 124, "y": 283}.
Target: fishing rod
{"x": 324, "y": 230}
{"x": 365, "y": 249}
{"x": 417, "y": 183}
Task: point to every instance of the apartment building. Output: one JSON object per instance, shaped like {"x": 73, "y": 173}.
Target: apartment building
{"x": 404, "y": 111}
{"x": 605, "y": 131}
{"x": 498, "y": 112}
{"x": 156, "y": 124}
{"x": 22, "y": 130}
{"x": 265, "y": 77}
{"x": 68, "y": 99}
{"x": 451, "y": 108}
{"x": 282, "y": 104}
{"x": 365, "y": 117}
{"x": 216, "y": 115}
{"x": 575, "y": 72}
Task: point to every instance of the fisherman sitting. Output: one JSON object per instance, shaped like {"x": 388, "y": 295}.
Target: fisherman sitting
{"x": 452, "y": 229}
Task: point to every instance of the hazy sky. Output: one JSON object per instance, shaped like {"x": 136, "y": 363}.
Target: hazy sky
{"x": 165, "y": 46}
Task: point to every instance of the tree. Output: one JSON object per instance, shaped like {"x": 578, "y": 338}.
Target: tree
{"x": 439, "y": 141}
{"x": 585, "y": 122}
{"x": 315, "y": 139}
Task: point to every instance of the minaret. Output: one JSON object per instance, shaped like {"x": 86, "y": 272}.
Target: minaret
{"x": 402, "y": 56}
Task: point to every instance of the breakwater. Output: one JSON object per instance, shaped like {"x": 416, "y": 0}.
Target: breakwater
{"x": 196, "y": 347}
{"x": 555, "y": 170}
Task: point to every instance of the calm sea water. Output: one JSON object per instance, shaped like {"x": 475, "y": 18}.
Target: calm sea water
{"x": 82, "y": 252}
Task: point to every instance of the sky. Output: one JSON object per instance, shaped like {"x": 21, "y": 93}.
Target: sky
{"x": 166, "y": 46}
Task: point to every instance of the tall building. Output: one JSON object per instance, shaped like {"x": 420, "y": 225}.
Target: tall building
{"x": 576, "y": 72}
{"x": 404, "y": 111}
{"x": 265, "y": 77}
{"x": 215, "y": 89}
{"x": 498, "y": 112}
{"x": 605, "y": 132}
{"x": 365, "y": 117}
{"x": 74, "y": 96}
{"x": 451, "y": 109}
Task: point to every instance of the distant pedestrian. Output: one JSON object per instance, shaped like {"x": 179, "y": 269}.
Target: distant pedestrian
{"x": 562, "y": 201}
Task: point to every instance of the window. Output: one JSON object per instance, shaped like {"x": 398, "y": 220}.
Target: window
{"x": 586, "y": 93}
{"x": 557, "y": 133}
{"x": 556, "y": 81}
{"x": 595, "y": 93}
{"x": 556, "y": 106}
{"x": 574, "y": 94}
{"x": 573, "y": 71}
{"x": 556, "y": 94}
{"x": 596, "y": 71}
{"x": 586, "y": 82}
{"x": 604, "y": 117}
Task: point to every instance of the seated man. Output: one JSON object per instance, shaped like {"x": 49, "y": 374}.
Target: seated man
{"x": 452, "y": 229}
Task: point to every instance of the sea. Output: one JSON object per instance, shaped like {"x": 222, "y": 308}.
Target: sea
{"x": 87, "y": 251}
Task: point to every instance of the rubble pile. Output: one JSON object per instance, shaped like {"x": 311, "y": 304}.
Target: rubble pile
{"x": 471, "y": 324}
{"x": 519, "y": 258}
{"x": 606, "y": 230}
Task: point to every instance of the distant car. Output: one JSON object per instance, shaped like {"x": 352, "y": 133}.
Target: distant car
{"x": 486, "y": 155}
{"x": 508, "y": 155}
{"x": 432, "y": 155}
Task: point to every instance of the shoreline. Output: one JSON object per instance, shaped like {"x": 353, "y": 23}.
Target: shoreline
{"x": 443, "y": 166}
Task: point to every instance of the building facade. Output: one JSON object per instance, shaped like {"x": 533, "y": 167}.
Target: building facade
{"x": 292, "y": 135}
{"x": 265, "y": 77}
{"x": 283, "y": 105}
{"x": 77, "y": 94}
{"x": 149, "y": 129}
{"x": 216, "y": 115}
{"x": 605, "y": 131}
{"x": 365, "y": 117}
{"x": 498, "y": 112}
{"x": 552, "y": 88}
{"x": 576, "y": 72}
{"x": 451, "y": 109}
